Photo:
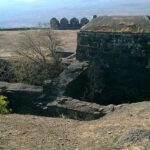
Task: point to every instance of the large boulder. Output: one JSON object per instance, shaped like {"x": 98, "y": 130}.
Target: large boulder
{"x": 74, "y": 109}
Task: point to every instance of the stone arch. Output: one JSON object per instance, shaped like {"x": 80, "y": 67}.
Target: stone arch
{"x": 74, "y": 23}
{"x": 54, "y": 23}
{"x": 84, "y": 21}
{"x": 64, "y": 23}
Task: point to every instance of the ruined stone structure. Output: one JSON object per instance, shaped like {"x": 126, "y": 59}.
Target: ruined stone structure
{"x": 118, "y": 49}
{"x": 122, "y": 34}
{"x": 111, "y": 66}
{"x": 54, "y": 23}
{"x": 84, "y": 21}
{"x": 65, "y": 24}
{"x": 74, "y": 23}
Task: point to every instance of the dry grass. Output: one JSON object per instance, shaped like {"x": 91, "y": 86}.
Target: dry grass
{"x": 40, "y": 133}
{"x": 9, "y": 40}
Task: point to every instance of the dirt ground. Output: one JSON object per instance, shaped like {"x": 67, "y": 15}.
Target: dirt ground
{"x": 9, "y": 40}
{"x": 26, "y": 132}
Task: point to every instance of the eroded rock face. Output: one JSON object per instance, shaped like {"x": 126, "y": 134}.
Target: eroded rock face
{"x": 60, "y": 85}
{"x": 75, "y": 109}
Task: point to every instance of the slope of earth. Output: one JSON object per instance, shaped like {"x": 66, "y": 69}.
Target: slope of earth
{"x": 9, "y": 40}
{"x": 127, "y": 128}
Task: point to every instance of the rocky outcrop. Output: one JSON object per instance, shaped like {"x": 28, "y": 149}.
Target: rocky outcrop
{"x": 12, "y": 87}
{"x": 75, "y": 109}
{"x": 21, "y": 96}
{"x": 59, "y": 86}
{"x": 133, "y": 137}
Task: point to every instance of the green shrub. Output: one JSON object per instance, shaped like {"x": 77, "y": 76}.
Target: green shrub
{"x": 4, "y": 105}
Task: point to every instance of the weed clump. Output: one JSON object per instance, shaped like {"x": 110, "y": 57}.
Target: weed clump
{"x": 4, "y": 109}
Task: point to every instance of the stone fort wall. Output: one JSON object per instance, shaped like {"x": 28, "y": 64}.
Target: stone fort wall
{"x": 64, "y": 23}
{"x": 119, "y": 66}
{"x": 120, "y": 44}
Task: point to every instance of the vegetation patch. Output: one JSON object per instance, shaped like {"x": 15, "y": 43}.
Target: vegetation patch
{"x": 27, "y": 71}
{"x": 36, "y": 60}
{"x": 4, "y": 109}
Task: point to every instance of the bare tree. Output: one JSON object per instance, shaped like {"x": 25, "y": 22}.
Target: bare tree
{"x": 40, "y": 46}
{"x": 37, "y": 57}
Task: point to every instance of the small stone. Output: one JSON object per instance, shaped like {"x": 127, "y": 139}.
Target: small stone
{"x": 109, "y": 132}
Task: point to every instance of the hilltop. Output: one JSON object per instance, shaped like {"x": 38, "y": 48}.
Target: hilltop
{"x": 127, "y": 128}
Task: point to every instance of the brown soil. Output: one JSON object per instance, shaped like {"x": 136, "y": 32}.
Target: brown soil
{"x": 25, "y": 132}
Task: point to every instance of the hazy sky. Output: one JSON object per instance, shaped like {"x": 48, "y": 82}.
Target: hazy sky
{"x": 30, "y": 12}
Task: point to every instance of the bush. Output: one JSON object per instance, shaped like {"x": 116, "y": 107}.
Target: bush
{"x": 6, "y": 71}
{"x": 4, "y": 105}
{"x": 37, "y": 58}
{"x": 27, "y": 71}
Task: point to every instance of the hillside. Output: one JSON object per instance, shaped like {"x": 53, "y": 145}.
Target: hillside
{"x": 127, "y": 128}
{"x": 9, "y": 40}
